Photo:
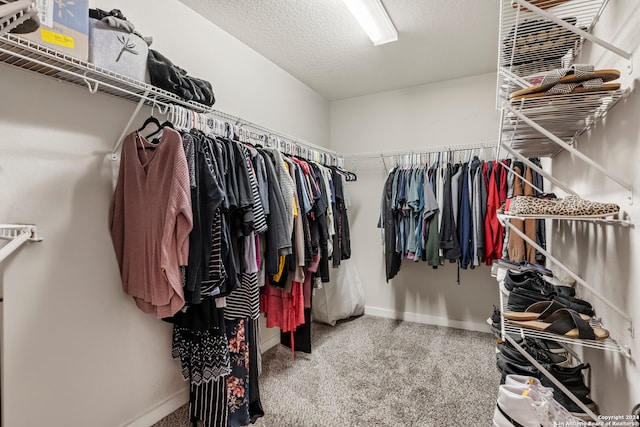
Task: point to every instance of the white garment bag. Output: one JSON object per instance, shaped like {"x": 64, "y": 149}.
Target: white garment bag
{"x": 340, "y": 298}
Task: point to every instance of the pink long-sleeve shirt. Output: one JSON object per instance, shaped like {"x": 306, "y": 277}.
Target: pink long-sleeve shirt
{"x": 150, "y": 220}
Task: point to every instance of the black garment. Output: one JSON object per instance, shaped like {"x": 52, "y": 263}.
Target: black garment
{"x": 541, "y": 231}
{"x": 208, "y": 403}
{"x": 231, "y": 183}
{"x": 448, "y": 231}
{"x": 206, "y": 198}
{"x": 320, "y": 211}
{"x": 238, "y": 388}
{"x": 166, "y": 75}
{"x": 392, "y": 258}
{"x": 255, "y": 406}
{"x": 342, "y": 239}
{"x": 465, "y": 224}
{"x": 301, "y": 336}
{"x": 245, "y": 196}
{"x": 231, "y": 265}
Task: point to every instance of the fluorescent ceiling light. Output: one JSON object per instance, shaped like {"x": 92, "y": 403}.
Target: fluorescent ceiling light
{"x": 374, "y": 20}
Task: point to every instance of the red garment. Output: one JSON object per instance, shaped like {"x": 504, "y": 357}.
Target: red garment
{"x": 281, "y": 308}
{"x": 150, "y": 220}
{"x": 493, "y": 229}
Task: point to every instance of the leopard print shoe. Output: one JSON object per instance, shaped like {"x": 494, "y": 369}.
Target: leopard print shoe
{"x": 568, "y": 206}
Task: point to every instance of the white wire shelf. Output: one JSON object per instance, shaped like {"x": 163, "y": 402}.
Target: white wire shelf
{"x": 16, "y": 234}
{"x": 550, "y": 258}
{"x": 608, "y": 344}
{"x": 532, "y": 43}
{"x": 600, "y": 220}
{"x": 537, "y": 36}
{"x": 565, "y": 116}
{"x": 12, "y": 231}
{"x": 39, "y": 59}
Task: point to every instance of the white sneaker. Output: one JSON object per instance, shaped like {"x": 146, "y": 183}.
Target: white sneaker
{"x": 528, "y": 405}
{"x": 558, "y": 409}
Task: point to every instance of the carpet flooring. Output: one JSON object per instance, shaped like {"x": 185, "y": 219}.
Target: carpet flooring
{"x": 372, "y": 371}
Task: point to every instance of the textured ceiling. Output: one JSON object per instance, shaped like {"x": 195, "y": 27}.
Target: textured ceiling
{"x": 320, "y": 43}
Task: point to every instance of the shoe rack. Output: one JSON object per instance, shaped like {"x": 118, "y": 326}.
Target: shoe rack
{"x": 537, "y": 36}
{"x": 536, "y": 39}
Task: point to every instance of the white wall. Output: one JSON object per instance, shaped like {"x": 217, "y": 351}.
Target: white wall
{"x": 446, "y": 113}
{"x": 607, "y": 256}
{"x": 77, "y": 351}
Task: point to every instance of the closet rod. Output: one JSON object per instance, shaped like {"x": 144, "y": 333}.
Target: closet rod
{"x": 239, "y": 121}
{"x": 423, "y": 150}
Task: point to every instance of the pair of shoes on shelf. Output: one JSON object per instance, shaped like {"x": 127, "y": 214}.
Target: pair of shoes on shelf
{"x": 524, "y": 401}
{"x": 570, "y": 206}
{"x": 521, "y": 298}
{"x": 534, "y": 40}
{"x": 533, "y": 281}
{"x": 538, "y": 351}
{"x": 571, "y": 378}
{"x": 523, "y": 266}
{"x": 564, "y": 322}
{"x": 557, "y": 314}
{"x": 578, "y": 78}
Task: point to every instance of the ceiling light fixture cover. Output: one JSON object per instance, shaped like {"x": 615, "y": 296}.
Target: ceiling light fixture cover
{"x": 374, "y": 20}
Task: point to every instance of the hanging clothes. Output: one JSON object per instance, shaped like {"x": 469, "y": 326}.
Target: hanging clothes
{"x": 152, "y": 244}
{"x": 429, "y": 218}
{"x": 464, "y": 219}
{"x": 518, "y": 249}
{"x": 448, "y": 231}
{"x": 447, "y": 211}
{"x": 388, "y": 224}
{"x": 493, "y": 229}
{"x": 244, "y": 229}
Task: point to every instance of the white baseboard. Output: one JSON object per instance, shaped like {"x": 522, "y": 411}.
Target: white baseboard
{"x": 270, "y": 342}
{"x": 426, "y": 319}
{"x": 161, "y": 410}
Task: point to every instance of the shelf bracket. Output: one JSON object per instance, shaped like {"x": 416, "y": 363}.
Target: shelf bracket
{"x": 551, "y": 378}
{"x": 17, "y": 234}
{"x": 588, "y": 36}
{"x": 626, "y": 185}
{"x": 567, "y": 270}
{"x": 114, "y": 153}
{"x": 92, "y": 89}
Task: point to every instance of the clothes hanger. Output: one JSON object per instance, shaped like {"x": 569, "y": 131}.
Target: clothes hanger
{"x": 149, "y": 121}
{"x": 164, "y": 124}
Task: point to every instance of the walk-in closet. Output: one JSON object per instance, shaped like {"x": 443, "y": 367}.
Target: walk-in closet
{"x": 315, "y": 214}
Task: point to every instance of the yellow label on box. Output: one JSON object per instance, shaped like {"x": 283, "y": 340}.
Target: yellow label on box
{"x": 55, "y": 38}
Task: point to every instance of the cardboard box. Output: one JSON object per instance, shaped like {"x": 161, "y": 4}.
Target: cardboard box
{"x": 64, "y": 26}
